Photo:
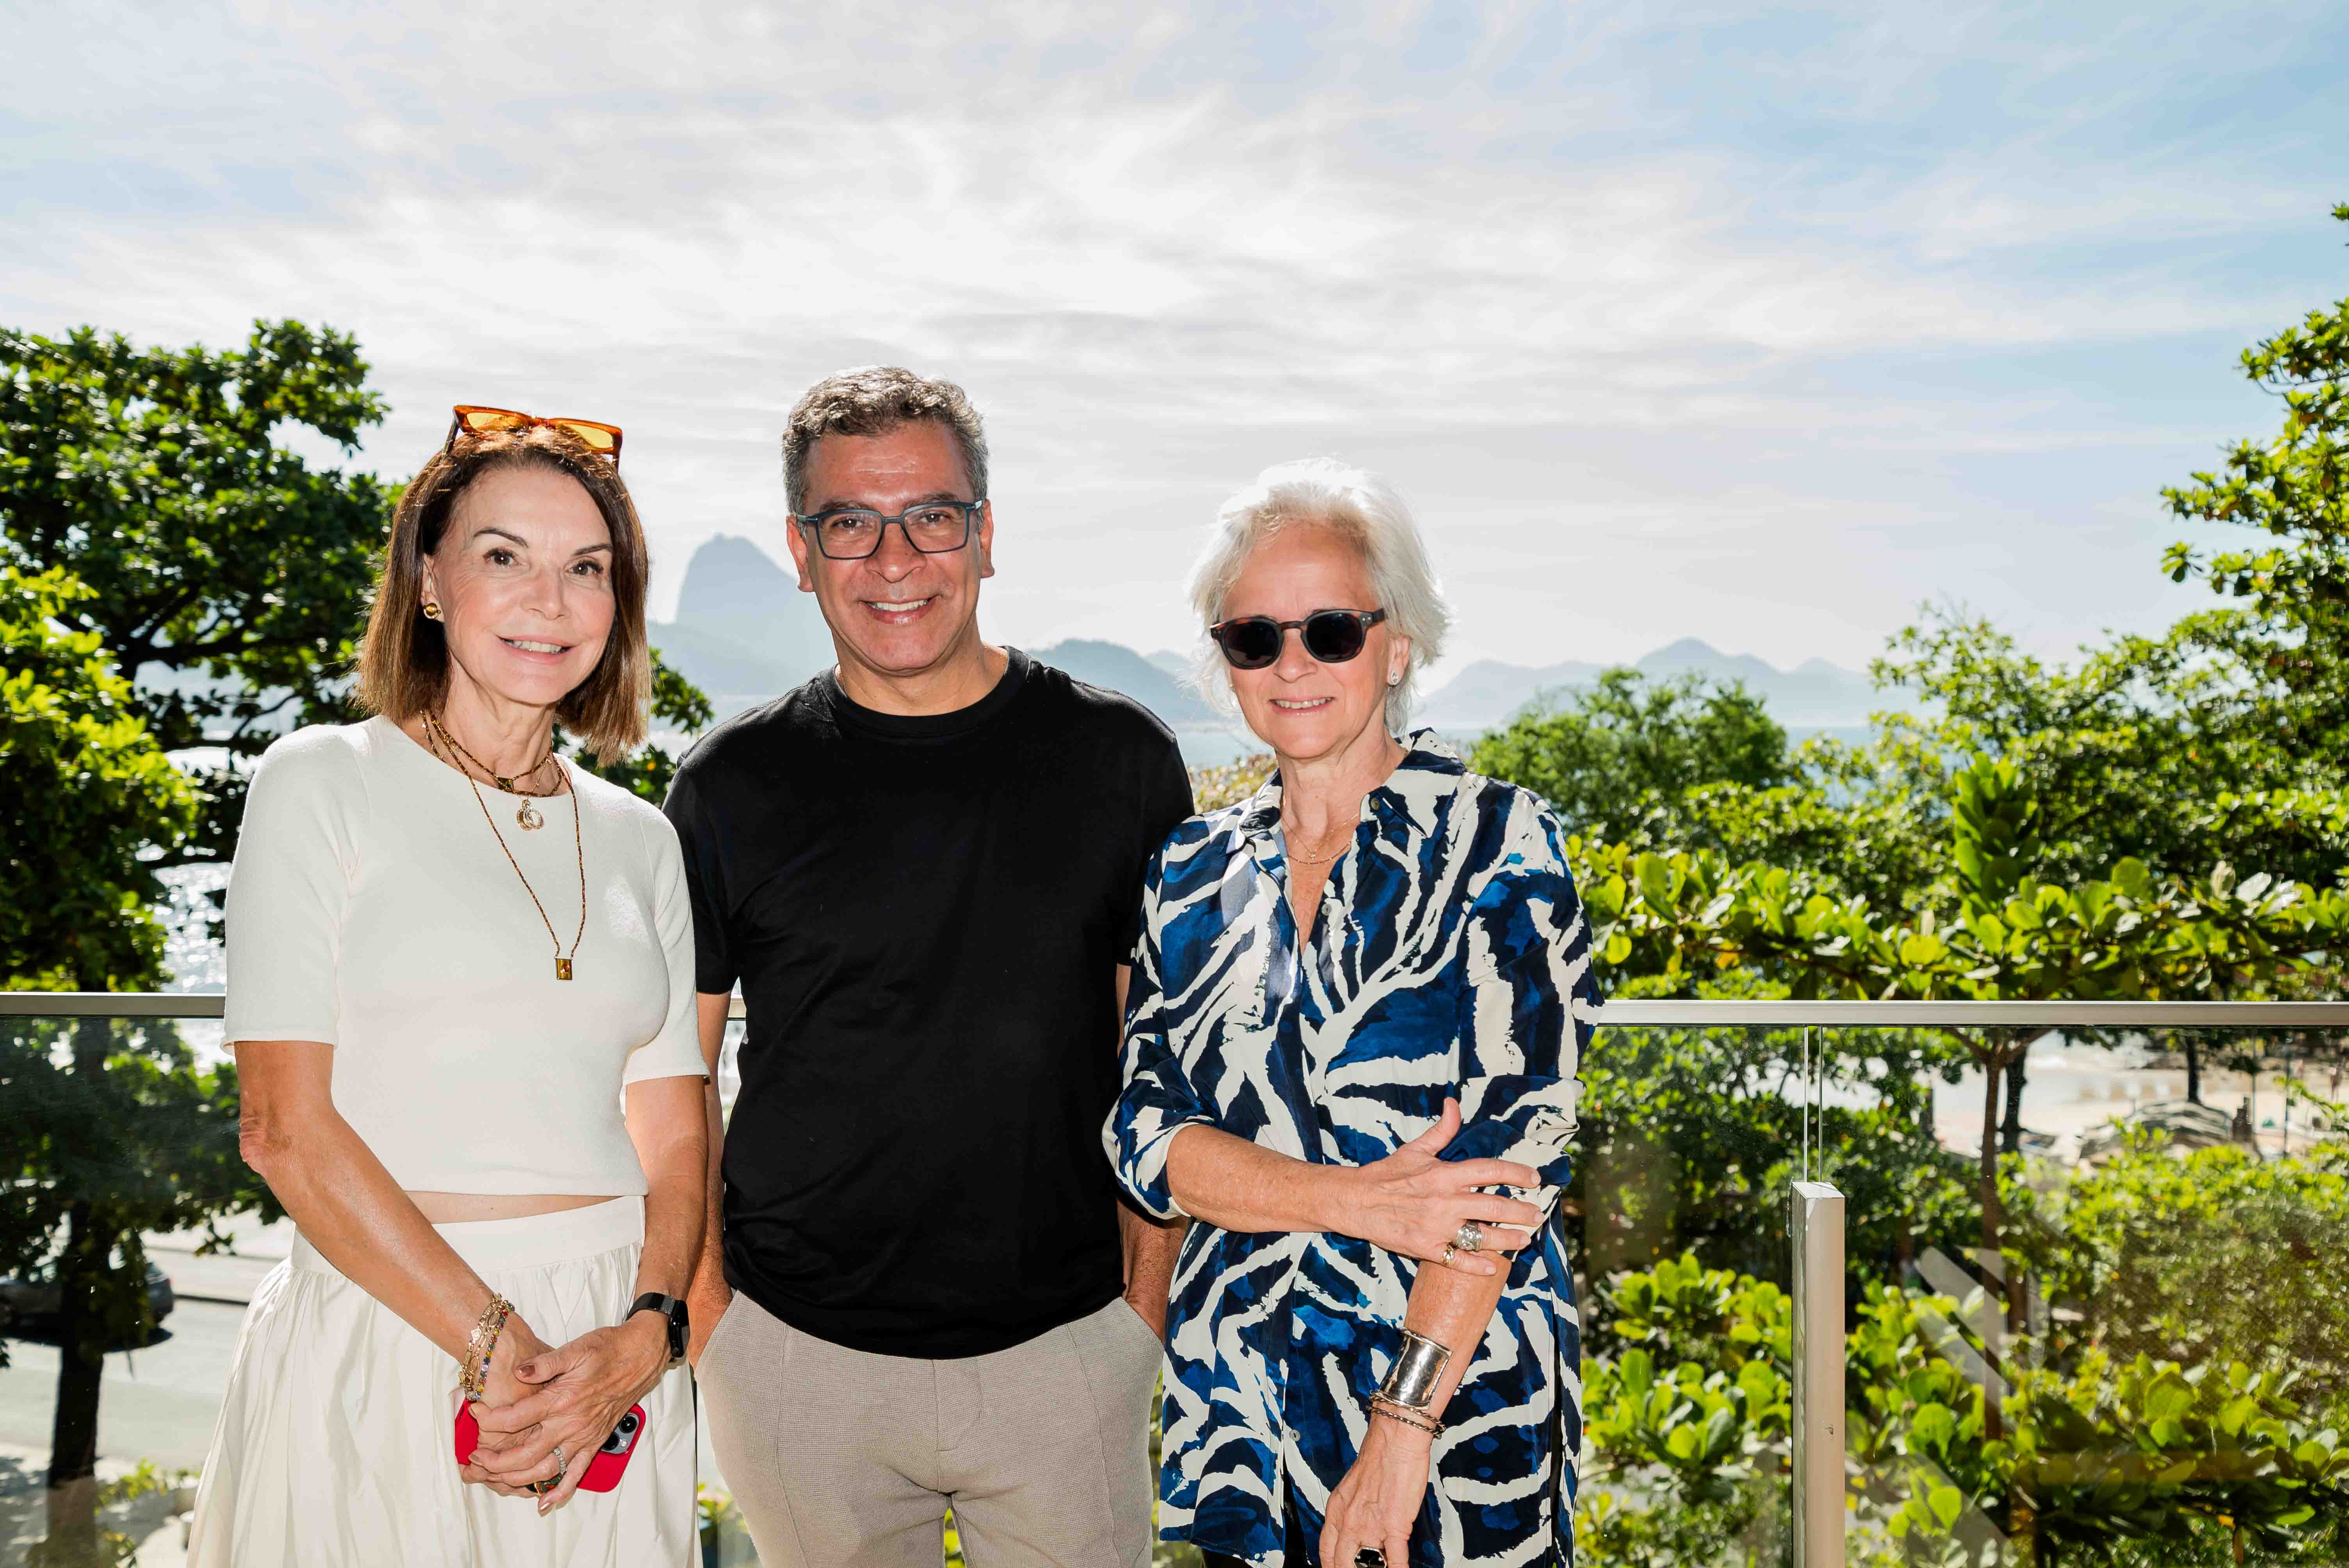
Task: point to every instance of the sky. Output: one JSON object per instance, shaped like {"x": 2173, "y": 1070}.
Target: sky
{"x": 1764, "y": 325}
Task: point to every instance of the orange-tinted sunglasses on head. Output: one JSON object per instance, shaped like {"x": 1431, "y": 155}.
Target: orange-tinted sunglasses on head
{"x": 472, "y": 421}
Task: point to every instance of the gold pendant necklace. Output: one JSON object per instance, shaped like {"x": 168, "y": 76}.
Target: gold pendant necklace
{"x": 433, "y": 729}
{"x": 528, "y": 818}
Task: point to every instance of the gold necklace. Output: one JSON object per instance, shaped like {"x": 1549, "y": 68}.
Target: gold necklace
{"x": 528, "y": 818}
{"x": 1295, "y": 859}
{"x": 578, "y": 844}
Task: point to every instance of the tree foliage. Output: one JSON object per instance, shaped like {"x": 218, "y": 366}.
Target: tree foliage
{"x": 112, "y": 1129}
{"x": 227, "y": 574}
{"x": 1617, "y": 759}
{"x": 1688, "y": 1394}
{"x": 1688, "y": 1137}
{"x": 87, "y": 799}
{"x": 2289, "y": 622}
{"x": 2204, "y": 1259}
{"x": 677, "y": 705}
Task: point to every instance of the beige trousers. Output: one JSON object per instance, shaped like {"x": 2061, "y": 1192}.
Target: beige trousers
{"x": 841, "y": 1458}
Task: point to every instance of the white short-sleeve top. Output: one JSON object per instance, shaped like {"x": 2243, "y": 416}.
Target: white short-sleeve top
{"x": 370, "y": 907}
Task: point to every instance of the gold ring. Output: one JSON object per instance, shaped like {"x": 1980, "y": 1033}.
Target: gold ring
{"x": 1449, "y": 1248}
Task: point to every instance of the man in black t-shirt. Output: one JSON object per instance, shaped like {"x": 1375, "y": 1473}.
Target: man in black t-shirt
{"x": 924, "y": 869}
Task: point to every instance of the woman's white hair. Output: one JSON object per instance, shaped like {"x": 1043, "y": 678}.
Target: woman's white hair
{"x": 1357, "y": 507}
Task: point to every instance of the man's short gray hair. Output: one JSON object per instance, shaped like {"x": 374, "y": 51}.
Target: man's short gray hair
{"x": 873, "y": 401}
{"x": 1358, "y": 508}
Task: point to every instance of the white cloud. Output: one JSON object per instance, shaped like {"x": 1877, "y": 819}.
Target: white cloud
{"x": 1526, "y": 261}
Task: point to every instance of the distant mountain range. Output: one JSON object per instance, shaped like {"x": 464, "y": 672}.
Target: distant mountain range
{"x": 1813, "y": 695}
{"x": 744, "y": 632}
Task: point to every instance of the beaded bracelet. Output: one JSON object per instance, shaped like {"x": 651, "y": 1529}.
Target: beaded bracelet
{"x": 473, "y": 1371}
{"x": 1408, "y": 1416}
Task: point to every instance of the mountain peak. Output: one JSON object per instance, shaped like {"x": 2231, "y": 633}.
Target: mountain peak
{"x": 742, "y": 626}
{"x": 1817, "y": 694}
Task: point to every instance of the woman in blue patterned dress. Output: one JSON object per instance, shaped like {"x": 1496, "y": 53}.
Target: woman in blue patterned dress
{"x": 1350, "y": 1059}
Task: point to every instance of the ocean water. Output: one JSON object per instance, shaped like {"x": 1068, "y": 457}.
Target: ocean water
{"x": 192, "y": 953}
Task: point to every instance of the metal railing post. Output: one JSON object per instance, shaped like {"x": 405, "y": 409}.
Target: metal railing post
{"x": 1819, "y": 1434}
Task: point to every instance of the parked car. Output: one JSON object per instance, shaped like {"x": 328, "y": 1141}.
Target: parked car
{"x": 29, "y": 1302}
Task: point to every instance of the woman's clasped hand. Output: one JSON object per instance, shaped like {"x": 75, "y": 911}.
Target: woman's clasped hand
{"x": 570, "y": 1397}
{"x": 1414, "y": 1202}
{"x": 500, "y": 1391}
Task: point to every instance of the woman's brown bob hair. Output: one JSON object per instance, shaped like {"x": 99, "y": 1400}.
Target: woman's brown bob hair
{"x": 403, "y": 663}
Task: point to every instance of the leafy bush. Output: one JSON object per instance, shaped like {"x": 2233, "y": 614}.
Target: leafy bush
{"x": 1213, "y": 788}
{"x": 2217, "y": 1257}
{"x": 1687, "y": 1406}
{"x": 1686, "y": 1419}
{"x": 1688, "y": 1138}
{"x": 2192, "y": 1460}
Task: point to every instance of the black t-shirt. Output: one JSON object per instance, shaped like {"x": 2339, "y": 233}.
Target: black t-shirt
{"x": 927, "y": 916}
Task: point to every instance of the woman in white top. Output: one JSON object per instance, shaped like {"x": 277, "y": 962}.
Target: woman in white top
{"x": 460, "y": 994}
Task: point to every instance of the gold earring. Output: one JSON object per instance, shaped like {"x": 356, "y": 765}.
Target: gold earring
{"x": 431, "y": 608}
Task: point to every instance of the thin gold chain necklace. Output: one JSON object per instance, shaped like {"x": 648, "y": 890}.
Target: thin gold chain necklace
{"x": 1316, "y": 860}
{"x": 528, "y": 818}
{"x": 434, "y": 731}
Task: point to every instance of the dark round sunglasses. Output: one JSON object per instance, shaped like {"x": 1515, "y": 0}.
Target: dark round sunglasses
{"x": 1331, "y": 637}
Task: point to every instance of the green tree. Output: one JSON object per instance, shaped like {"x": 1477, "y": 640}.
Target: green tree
{"x": 2208, "y": 1257}
{"x": 1687, "y": 1395}
{"x": 2289, "y": 623}
{"x": 1987, "y": 931}
{"x": 229, "y": 574}
{"x": 112, "y": 1129}
{"x": 87, "y": 801}
{"x": 2175, "y": 749}
{"x": 1617, "y": 759}
{"x": 1687, "y": 764}
{"x": 2222, "y": 739}
{"x": 1688, "y": 1137}
{"x": 678, "y": 705}
{"x": 2162, "y": 750}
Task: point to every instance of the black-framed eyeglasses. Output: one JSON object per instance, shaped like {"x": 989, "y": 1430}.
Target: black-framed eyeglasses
{"x": 853, "y": 533}
{"x": 1331, "y": 637}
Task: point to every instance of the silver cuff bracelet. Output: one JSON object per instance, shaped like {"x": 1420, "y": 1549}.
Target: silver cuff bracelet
{"x": 1411, "y": 1381}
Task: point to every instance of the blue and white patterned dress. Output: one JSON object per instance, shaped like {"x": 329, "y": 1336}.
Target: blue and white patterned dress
{"x": 1451, "y": 959}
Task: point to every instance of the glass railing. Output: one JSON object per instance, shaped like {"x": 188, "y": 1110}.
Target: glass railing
{"x": 2141, "y": 1358}
{"x": 1799, "y": 1341}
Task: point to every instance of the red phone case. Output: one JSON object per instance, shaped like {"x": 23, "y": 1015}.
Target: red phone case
{"x": 604, "y": 1471}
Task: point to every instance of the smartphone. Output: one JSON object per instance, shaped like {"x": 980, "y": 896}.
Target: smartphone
{"x": 604, "y": 1470}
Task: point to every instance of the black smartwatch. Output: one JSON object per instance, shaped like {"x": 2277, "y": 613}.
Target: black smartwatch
{"x": 672, "y": 1312}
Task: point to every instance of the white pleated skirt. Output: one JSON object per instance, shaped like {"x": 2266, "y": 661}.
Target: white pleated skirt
{"x": 334, "y": 1445}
